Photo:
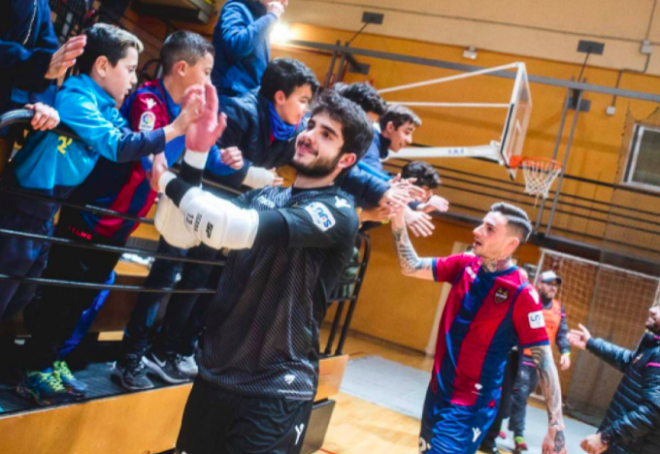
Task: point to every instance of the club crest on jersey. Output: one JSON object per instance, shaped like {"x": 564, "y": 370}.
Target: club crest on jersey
{"x": 147, "y": 121}
{"x": 321, "y": 216}
{"x": 501, "y": 295}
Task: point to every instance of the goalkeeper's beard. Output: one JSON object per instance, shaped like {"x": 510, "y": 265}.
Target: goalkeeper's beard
{"x": 318, "y": 169}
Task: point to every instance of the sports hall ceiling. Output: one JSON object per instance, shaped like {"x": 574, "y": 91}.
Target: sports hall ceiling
{"x": 544, "y": 29}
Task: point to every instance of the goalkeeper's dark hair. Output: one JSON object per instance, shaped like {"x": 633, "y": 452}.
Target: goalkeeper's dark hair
{"x": 424, "y": 173}
{"x": 364, "y": 95}
{"x": 356, "y": 128}
{"x": 517, "y": 219}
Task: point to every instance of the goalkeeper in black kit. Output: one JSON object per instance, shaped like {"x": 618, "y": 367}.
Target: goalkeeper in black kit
{"x": 258, "y": 367}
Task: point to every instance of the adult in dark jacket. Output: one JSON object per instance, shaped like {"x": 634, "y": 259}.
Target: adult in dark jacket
{"x": 632, "y": 422}
{"x": 242, "y": 44}
{"x": 29, "y": 57}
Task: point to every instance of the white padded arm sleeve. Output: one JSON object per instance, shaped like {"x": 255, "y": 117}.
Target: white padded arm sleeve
{"x": 258, "y": 177}
{"x": 218, "y": 223}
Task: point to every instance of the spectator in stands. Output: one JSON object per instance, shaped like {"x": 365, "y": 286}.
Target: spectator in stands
{"x": 242, "y": 42}
{"x": 554, "y": 317}
{"x": 53, "y": 165}
{"x": 632, "y": 423}
{"x": 427, "y": 178}
{"x": 29, "y": 62}
{"x": 397, "y": 126}
{"x": 187, "y": 60}
{"x": 259, "y": 359}
{"x": 365, "y": 96}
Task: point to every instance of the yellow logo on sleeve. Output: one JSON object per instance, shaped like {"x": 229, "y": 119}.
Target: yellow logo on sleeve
{"x": 64, "y": 143}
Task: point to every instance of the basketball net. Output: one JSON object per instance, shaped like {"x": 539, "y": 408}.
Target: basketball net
{"x": 539, "y": 174}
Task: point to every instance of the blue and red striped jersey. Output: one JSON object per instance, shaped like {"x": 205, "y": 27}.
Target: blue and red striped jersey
{"x": 485, "y": 316}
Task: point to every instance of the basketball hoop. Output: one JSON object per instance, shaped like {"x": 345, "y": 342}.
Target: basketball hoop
{"x": 539, "y": 174}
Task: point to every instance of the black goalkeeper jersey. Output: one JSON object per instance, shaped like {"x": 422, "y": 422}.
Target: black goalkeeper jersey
{"x": 262, "y": 329}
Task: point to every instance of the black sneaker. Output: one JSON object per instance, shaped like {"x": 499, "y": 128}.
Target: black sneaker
{"x": 167, "y": 369}
{"x": 131, "y": 373}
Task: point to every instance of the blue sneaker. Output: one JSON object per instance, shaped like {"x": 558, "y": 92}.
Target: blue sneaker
{"x": 69, "y": 381}
{"x": 43, "y": 387}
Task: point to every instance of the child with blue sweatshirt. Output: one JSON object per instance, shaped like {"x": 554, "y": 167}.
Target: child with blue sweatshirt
{"x": 53, "y": 164}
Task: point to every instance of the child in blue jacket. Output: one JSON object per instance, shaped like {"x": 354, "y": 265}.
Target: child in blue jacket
{"x": 53, "y": 164}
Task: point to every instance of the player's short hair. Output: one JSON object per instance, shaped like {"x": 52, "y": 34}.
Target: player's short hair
{"x": 424, "y": 172}
{"x": 355, "y": 125}
{"x": 184, "y": 45}
{"x": 364, "y": 95}
{"x": 399, "y": 115}
{"x": 109, "y": 41}
{"x": 286, "y": 74}
{"x": 517, "y": 219}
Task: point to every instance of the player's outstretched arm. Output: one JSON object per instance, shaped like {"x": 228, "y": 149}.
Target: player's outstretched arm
{"x": 410, "y": 263}
{"x": 555, "y": 440}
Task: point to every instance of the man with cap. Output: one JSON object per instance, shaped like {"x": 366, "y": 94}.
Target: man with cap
{"x": 557, "y": 327}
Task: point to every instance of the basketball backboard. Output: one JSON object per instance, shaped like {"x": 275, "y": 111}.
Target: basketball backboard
{"x": 517, "y": 121}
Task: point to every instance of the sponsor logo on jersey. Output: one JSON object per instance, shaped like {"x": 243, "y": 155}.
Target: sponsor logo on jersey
{"x": 471, "y": 272}
{"x": 638, "y": 357}
{"x": 189, "y": 218}
{"x": 290, "y": 378}
{"x": 476, "y": 432}
{"x": 150, "y": 103}
{"x": 147, "y": 121}
{"x": 264, "y": 201}
{"x": 342, "y": 203}
{"x": 321, "y": 216}
{"x": 209, "y": 230}
{"x": 501, "y": 295}
{"x": 536, "y": 320}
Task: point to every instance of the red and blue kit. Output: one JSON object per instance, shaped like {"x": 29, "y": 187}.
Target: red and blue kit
{"x": 485, "y": 316}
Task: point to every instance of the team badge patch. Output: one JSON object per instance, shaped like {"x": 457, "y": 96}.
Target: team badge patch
{"x": 147, "y": 121}
{"x": 501, "y": 295}
{"x": 321, "y": 215}
{"x": 536, "y": 320}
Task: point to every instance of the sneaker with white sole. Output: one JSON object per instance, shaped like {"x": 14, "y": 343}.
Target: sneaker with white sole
{"x": 166, "y": 368}
{"x": 131, "y": 373}
{"x": 188, "y": 366}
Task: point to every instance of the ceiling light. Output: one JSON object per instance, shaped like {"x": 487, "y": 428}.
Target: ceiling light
{"x": 281, "y": 33}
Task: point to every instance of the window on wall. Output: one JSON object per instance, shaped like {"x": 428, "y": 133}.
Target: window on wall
{"x": 643, "y": 168}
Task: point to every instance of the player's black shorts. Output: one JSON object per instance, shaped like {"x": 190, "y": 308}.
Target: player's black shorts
{"x": 218, "y": 422}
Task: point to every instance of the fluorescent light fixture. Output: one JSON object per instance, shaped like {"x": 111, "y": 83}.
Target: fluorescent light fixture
{"x": 282, "y": 33}
{"x": 470, "y": 53}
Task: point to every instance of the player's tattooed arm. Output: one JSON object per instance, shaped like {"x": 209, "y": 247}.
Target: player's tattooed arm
{"x": 410, "y": 263}
{"x": 555, "y": 441}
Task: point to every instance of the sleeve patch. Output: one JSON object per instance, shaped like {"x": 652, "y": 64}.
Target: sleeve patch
{"x": 536, "y": 320}
{"x": 321, "y": 216}
{"x": 147, "y": 121}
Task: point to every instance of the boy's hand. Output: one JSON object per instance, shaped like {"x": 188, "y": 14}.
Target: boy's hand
{"x": 435, "y": 203}
{"x": 205, "y": 131}
{"x": 65, "y": 57}
{"x": 192, "y": 106}
{"x": 232, "y": 157}
{"x": 45, "y": 117}
{"x": 277, "y": 8}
